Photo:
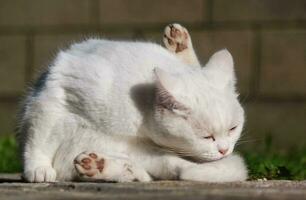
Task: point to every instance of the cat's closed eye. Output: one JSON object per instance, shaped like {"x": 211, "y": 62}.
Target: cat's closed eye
{"x": 210, "y": 137}
{"x": 233, "y": 128}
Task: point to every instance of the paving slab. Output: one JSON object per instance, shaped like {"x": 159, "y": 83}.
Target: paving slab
{"x": 13, "y": 188}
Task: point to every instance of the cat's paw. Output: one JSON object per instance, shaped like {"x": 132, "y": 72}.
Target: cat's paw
{"x": 94, "y": 166}
{"x": 40, "y": 174}
{"x": 89, "y": 164}
{"x": 228, "y": 169}
{"x": 176, "y": 38}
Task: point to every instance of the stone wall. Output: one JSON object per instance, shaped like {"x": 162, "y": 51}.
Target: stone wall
{"x": 266, "y": 37}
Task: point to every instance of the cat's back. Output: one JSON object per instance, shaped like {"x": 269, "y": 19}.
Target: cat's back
{"x": 103, "y": 62}
{"x": 131, "y": 55}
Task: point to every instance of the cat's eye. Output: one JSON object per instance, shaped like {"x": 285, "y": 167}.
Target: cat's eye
{"x": 233, "y": 128}
{"x": 210, "y": 137}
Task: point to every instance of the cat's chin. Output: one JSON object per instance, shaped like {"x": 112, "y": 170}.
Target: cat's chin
{"x": 215, "y": 159}
{"x": 201, "y": 159}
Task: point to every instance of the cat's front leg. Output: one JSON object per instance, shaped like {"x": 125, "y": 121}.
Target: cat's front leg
{"x": 170, "y": 167}
{"x": 178, "y": 41}
{"x": 231, "y": 168}
{"x": 93, "y": 166}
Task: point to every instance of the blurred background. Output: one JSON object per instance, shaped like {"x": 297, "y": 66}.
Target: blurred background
{"x": 266, "y": 37}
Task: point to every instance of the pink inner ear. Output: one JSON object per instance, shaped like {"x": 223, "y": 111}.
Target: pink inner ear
{"x": 166, "y": 100}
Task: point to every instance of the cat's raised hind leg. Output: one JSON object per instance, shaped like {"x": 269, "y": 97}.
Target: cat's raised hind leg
{"x": 92, "y": 166}
{"x": 178, "y": 41}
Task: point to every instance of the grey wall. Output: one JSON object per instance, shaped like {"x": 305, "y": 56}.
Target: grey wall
{"x": 266, "y": 37}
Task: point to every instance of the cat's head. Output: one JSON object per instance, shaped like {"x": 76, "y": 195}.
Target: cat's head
{"x": 197, "y": 113}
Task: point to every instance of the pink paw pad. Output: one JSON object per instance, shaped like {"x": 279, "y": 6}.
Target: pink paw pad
{"x": 176, "y": 38}
{"x": 89, "y": 164}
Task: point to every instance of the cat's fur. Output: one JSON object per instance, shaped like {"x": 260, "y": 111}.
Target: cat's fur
{"x": 141, "y": 112}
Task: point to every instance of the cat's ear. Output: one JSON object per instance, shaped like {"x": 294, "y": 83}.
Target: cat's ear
{"x": 220, "y": 69}
{"x": 166, "y": 84}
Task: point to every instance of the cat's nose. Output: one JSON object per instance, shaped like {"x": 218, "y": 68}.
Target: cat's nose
{"x": 223, "y": 151}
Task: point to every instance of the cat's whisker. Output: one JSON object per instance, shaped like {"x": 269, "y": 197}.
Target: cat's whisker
{"x": 247, "y": 141}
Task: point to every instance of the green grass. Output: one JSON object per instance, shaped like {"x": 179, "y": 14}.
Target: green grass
{"x": 9, "y": 157}
{"x": 269, "y": 165}
{"x": 264, "y": 164}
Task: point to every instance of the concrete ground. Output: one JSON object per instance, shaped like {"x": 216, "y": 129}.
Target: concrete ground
{"x": 12, "y": 188}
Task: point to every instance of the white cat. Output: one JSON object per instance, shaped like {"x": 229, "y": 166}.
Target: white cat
{"x": 137, "y": 111}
